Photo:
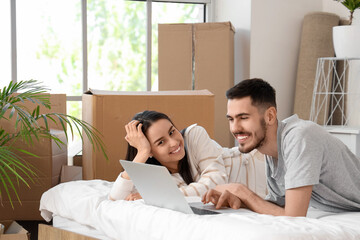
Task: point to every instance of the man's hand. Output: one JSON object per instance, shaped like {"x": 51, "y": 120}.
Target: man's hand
{"x": 233, "y": 188}
{"x": 297, "y": 200}
{"x": 221, "y": 199}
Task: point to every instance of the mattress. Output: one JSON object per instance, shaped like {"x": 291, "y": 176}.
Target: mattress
{"x": 86, "y": 203}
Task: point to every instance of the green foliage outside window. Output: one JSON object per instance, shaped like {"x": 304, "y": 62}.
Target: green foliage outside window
{"x": 116, "y": 45}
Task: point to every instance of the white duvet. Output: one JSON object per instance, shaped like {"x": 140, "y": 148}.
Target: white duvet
{"x": 86, "y": 203}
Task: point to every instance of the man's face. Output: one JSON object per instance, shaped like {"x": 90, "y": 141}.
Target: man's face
{"x": 246, "y": 124}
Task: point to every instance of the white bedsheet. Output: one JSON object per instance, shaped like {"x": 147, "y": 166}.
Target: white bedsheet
{"x": 86, "y": 203}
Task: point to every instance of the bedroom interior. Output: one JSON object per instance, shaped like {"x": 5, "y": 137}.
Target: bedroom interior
{"x": 280, "y": 41}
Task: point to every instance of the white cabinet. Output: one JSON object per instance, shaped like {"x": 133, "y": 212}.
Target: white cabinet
{"x": 348, "y": 135}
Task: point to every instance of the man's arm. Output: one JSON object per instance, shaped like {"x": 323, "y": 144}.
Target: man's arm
{"x": 296, "y": 200}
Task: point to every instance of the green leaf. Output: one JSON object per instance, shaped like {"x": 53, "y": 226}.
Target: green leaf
{"x": 28, "y": 130}
{"x": 11, "y": 162}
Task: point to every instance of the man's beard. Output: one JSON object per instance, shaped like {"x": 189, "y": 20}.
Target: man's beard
{"x": 260, "y": 142}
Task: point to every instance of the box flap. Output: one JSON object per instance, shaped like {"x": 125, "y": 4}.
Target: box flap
{"x": 15, "y": 228}
{"x": 214, "y": 25}
{"x": 13, "y": 231}
{"x": 185, "y": 26}
{"x": 148, "y": 93}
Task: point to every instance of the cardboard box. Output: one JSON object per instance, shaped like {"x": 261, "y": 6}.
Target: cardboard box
{"x": 70, "y": 173}
{"x": 48, "y": 166}
{"x": 110, "y": 111}
{"x": 13, "y": 231}
{"x": 77, "y": 160}
{"x": 199, "y": 56}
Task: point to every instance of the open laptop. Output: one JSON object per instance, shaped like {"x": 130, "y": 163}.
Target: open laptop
{"x": 157, "y": 188}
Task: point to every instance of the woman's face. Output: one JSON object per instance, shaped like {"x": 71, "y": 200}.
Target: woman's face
{"x": 167, "y": 143}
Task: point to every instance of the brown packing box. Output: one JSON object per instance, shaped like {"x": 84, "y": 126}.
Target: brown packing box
{"x": 70, "y": 173}
{"x": 77, "y": 160}
{"x": 48, "y": 166}
{"x": 199, "y": 56}
{"x": 110, "y": 111}
{"x": 13, "y": 231}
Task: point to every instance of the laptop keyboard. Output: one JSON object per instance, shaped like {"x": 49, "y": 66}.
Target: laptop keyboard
{"x": 202, "y": 211}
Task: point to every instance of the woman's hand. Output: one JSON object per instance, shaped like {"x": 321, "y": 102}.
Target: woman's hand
{"x": 133, "y": 197}
{"x": 136, "y": 138}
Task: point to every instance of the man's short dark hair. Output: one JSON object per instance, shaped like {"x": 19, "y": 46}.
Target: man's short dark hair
{"x": 262, "y": 94}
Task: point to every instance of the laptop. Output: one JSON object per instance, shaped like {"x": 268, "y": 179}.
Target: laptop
{"x": 157, "y": 188}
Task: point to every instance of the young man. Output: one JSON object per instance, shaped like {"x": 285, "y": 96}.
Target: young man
{"x": 305, "y": 165}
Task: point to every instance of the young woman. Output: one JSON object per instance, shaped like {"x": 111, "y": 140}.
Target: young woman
{"x": 196, "y": 162}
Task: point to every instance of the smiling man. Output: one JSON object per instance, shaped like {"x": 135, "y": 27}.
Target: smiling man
{"x": 305, "y": 165}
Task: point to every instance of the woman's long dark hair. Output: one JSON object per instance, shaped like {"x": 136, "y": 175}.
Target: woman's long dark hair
{"x": 147, "y": 118}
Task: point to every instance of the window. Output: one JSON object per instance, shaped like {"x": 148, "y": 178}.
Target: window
{"x": 116, "y": 45}
{"x": 73, "y": 45}
{"x": 49, "y": 44}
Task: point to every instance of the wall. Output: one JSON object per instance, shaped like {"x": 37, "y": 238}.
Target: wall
{"x": 238, "y": 12}
{"x": 267, "y": 39}
{"x": 275, "y": 39}
{"x": 339, "y": 9}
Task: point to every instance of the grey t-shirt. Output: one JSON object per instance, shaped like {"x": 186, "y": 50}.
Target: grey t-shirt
{"x": 309, "y": 155}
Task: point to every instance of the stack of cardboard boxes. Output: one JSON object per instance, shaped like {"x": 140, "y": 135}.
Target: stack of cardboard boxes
{"x": 199, "y": 56}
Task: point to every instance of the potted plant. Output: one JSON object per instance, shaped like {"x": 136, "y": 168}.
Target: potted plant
{"x": 28, "y": 130}
{"x": 347, "y": 37}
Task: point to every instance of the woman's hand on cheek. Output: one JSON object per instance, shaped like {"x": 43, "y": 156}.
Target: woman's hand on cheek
{"x": 136, "y": 138}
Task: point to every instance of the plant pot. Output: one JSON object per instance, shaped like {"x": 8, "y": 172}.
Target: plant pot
{"x": 346, "y": 41}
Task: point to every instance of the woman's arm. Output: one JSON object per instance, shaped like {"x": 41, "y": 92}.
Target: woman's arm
{"x": 205, "y": 158}
{"x": 140, "y": 157}
{"x": 121, "y": 189}
{"x": 123, "y": 185}
{"x": 136, "y": 138}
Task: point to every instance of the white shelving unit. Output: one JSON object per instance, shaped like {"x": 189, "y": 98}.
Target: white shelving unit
{"x": 336, "y": 92}
{"x": 336, "y": 99}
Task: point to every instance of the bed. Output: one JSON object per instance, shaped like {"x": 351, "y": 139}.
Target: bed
{"x": 83, "y": 207}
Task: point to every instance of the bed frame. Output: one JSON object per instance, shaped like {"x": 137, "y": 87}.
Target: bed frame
{"x": 47, "y": 232}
